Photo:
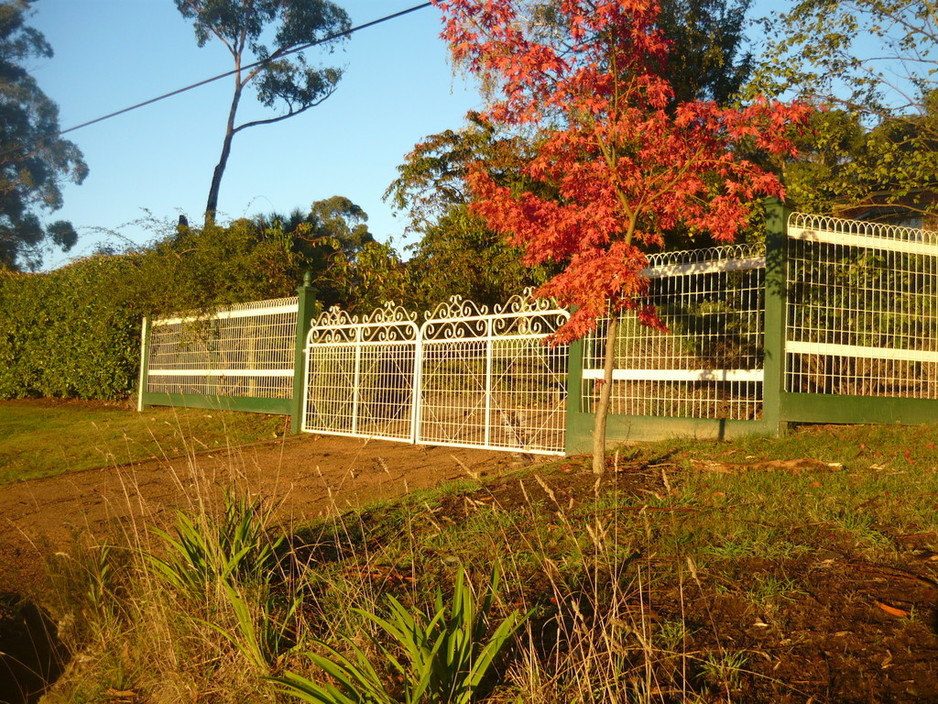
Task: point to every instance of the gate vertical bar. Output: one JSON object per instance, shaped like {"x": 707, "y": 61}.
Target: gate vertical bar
{"x": 415, "y": 414}
{"x": 356, "y": 380}
{"x": 776, "y": 233}
{"x": 304, "y": 319}
{"x": 488, "y": 380}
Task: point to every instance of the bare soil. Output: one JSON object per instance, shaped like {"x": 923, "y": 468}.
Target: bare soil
{"x": 855, "y": 632}
{"x": 310, "y": 475}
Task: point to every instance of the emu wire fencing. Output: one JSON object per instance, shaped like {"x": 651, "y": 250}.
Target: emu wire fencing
{"x": 828, "y": 320}
{"x": 241, "y": 358}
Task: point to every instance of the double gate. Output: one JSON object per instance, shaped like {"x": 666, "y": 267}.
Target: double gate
{"x": 465, "y": 377}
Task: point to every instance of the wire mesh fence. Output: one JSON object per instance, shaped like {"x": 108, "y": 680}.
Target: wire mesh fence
{"x": 860, "y": 318}
{"x": 861, "y": 309}
{"x": 246, "y": 350}
{"x": 360, "y": 374}
{"x": 708, "y": 363}
{"x": 466, "y": 377}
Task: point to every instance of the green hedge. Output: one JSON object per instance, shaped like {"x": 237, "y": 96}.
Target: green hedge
{"x": 74, "y": 332}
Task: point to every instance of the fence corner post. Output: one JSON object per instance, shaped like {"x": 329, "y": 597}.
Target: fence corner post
{"x": 306, "y": 308}
{"x": 577, "y": 437}
{"x": 773, "y": 385}
{"x": 144, "y": 364}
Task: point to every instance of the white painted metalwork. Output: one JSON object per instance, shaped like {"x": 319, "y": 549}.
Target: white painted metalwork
{"x": 689, "y": 375}
{"x": 709, "y": 362}
{"x": 246, "y": 350}
{"x": 360, "y": 374}
{"x": 489, "y": 380}
{"x": 861, "y": 309}
{"x": 466, "y": 377}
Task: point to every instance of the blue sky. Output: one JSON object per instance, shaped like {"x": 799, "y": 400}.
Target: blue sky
{"x": 158, "y": 161}
{"x": 109, "y": 54}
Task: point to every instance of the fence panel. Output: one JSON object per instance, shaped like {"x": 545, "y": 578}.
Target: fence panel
{"x": 243, "y": 352}
{"x": 489, "y": 380}
{"x": 360, "y": 374}
{"x": 862, "y": 309}
{"x": 466, "y": 377}
{"x": 709, "y": 361}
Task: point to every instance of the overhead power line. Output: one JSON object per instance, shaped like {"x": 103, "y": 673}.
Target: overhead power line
{"x": 298, "y": 49}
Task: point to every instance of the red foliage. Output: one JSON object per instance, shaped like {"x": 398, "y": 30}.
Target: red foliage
{"x": 619, "y": 163}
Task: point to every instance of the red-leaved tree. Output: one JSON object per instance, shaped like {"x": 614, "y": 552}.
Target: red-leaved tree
{"x": 616, "y": 162}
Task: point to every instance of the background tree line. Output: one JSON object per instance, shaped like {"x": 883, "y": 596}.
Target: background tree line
{"x": 873, "y": 144}
{"x": 75, "y": 331}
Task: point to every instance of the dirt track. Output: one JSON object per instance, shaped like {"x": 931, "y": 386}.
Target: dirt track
{"x": 311, "y": 475}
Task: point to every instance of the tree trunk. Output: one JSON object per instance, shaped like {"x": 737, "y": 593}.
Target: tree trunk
{"x": 605, "y": 394}
{"x": 212, "y": 204}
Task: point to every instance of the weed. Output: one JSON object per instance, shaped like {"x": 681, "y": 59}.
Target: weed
{"x": 444, "y": 658}
{"x": 724, "y": 669}
{"x": 670, "y": 635}
{"x": 207, "y": 553}
{"x": 768, "y": 590}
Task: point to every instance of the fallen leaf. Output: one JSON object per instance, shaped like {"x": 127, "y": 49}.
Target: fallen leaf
{"x": 891, "y": 610}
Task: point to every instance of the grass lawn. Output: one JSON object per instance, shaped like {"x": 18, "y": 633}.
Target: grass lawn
{"x": 762, "y": 571}
{"x": 42, "y": 438}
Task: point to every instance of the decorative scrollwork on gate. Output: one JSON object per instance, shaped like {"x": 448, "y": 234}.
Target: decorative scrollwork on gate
{"x": 456, "y": 319}
{"x": 390, "y": 323}
{"x": 523, "y": 315}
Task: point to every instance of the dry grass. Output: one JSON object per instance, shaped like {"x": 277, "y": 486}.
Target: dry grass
{"x": 606, "y": 575}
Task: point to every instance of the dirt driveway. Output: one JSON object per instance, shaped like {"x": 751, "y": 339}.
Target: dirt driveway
{"x": 312, "y": 476}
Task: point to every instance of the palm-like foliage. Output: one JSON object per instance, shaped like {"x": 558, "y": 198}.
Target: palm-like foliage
{"x": 443, "y": 659}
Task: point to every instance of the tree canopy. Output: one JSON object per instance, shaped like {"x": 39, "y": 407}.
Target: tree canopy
{"x": 617, "y": 161}
{"x": 457, "y": 252}
{"x": 875, "y": 64}
{"x": 272, "y": 32}
{"x": 34, "y": 160}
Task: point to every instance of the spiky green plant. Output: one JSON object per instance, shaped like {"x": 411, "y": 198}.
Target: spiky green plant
{"x": 237, "y": 549}
{"x": 442, "y": 660}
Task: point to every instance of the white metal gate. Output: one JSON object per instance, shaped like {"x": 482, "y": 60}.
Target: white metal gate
{"x": 360, "y": 374}
{"x": 466, "y": 377}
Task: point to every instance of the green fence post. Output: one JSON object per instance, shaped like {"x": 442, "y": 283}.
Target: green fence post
{"x": 773, "y": 385}
{"x": 577, "y": 426}
{"x": 306, "y": 309}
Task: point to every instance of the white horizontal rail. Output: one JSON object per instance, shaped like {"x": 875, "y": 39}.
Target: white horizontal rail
{"x": 228, "y": 314}
{"x": 350, "y": 434}
{"x": 362, "y": 343}
{"x": 864, "y": 241}
{"x": 712, "y": 266}
{"x": 527, "y": 449}
{"x": 752, "y": 375}
{"x": 221, "y": 372}
{"x": 823, "y": 348}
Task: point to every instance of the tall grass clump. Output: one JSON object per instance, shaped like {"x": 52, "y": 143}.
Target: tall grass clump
{"x": 442, "y": 659}
{"x": 595, "y": 639}
{"x": 513, "y": 592}
{"x": 201, "y": 611}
